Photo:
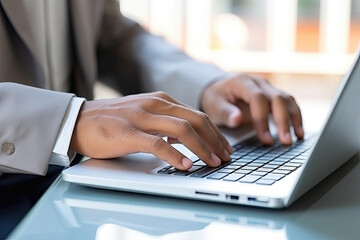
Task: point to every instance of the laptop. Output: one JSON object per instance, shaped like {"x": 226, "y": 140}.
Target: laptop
{"x": 264, "y": 176}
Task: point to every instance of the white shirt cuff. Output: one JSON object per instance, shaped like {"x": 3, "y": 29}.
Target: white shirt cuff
{"x": 61, "y": 155}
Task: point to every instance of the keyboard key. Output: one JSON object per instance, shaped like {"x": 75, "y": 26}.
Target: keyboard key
{"x": 276, "y": 162}
{"x": 274, "y": 177}
{"x": 271, "y": 155}
{"x": 232, "y": 167}
{"x": 261, "y": 160}
{"x": 199, "y": 163}
{"x": 191, "y": 170}
{"x": 203, "y": 172}
{"x": 242, "y": 171}
{"x": 245, "y": 160}
{"x": 293, "y": 164}
{"x": 281, "y": 159}
{"x": 224, "y": 170}
{"x": 271, "y": 166}
{"x": 296, "y": 151}
{"x": 249, "y": 179}
{"x": 264, "y": 169}
{"x": 265, "y": 181}
{"x": 278, "y": 171}
{"x": 233, "y": 177}
{"x": 289, "y": 155}
{"x": 248, "y": 168}
{"x": 167, "y": 170}
{"x": 254, "y": 155}
{"x": 217, "y": 176}
{"x": 257, "y": 173}
{"x": 238, "y": 164}
{"x": 265, "y": 159}
{"x": 287, "y": 167}
{"x": 240, "y": 153}
{"x": 253, "y": 164}
{"x": 236, "y": 155}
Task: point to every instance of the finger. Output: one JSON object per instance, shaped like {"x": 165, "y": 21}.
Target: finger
{"x": 282, "y": 119}
{"x": 245, "y": 111}
{"x": 171, "y": 140}
{"x": 292, "y": 107}
{"x": 236, "y": 117}
{"x": 182, "y": 130}
{"x": 251, "y": 93}
{"x": 223, "y": 140}
{"x": 200, "y": 122}
{"x": 296, "y": 119}
{"x": 226, "y": 113}
{"x": 161, "y": 149}
{"x": 260, "y": 110}
{"x": 211, "y": 134}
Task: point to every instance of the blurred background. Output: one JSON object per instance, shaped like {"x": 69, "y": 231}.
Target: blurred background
{"x": 302, "y": 46}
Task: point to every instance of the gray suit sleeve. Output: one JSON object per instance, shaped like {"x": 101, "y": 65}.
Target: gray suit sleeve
{"x": 30, "y": 121}
{"x": 132, "y": 60}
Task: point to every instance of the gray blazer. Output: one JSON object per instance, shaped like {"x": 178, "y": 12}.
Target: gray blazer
{"x": 106, "y": 47}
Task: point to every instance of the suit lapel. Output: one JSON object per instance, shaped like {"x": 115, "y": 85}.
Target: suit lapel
{"x": 17, "y": 16}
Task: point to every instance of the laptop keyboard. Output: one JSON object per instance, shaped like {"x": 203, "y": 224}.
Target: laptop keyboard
{"x": 252, "y": 163}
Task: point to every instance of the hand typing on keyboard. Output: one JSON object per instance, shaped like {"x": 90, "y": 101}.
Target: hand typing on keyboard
{"x": 242, "y": 98}
{"x": 114, "y": 127}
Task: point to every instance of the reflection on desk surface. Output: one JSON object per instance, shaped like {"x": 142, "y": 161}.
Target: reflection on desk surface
{"x": 329, "y": 211}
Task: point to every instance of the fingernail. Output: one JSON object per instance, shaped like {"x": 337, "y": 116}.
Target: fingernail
{"x": 267, "y": 137}
{"x": 287, "y": 137}
{"x": 215, "y": 159}
{"x": 187, "y": 163}
{"x": 301, "y": 132}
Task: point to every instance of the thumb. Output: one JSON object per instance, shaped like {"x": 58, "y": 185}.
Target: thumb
{"x": 229, "y": 114}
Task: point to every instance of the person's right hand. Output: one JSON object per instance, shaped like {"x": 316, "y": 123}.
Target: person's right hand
{"x": 137, "y": 123}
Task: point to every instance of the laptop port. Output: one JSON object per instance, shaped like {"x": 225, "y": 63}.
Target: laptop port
{"x": 258, "y": 200}
{"x": 207, "y": 194}
{"x": 232, "y": 197}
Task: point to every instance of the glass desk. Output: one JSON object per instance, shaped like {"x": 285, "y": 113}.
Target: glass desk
{"x": 331, "y": 210}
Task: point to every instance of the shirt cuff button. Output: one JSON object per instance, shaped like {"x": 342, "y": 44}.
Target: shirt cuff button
{"x": 8, "y": 148}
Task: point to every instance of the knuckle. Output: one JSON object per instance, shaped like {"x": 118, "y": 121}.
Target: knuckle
{"x": 183, "y": 126}
{"x": 156, "y": 143}
{"x": 201, "y": 117}
{"x": 290, "y": 98}
{"x": 259, "y": 96}
{"x": 283, "y": 98}
{"x": 152, "y": 101}
{"x": 161, "y": 94}
{"x": 136, "y": 113}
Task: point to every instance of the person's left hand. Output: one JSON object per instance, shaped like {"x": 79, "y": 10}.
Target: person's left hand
{"x": 242, "y": 99}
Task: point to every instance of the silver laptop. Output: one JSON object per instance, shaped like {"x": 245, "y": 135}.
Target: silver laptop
{"x": 272, "y": 177}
